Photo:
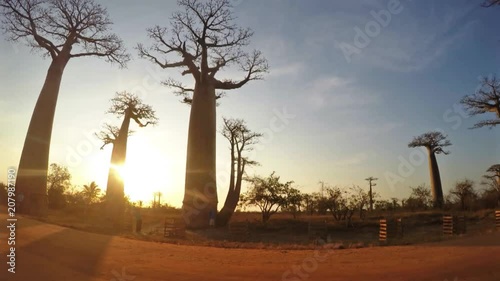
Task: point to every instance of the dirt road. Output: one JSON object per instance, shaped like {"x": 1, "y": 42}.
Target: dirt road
{"x": 49, "y": 252}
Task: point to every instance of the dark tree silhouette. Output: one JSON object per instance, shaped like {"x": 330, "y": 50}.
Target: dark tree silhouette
{"x": 269, "y": 194}
{"x": 492, "y": 180}
{"x": 129, "y": 107}
{"x": 490, "y": 3}
{"x": 58, "y": 181}
{"x": 464, "y": 193}
{"x": 206, "y": 39}
{"x": 486, "y": 99}
{"x": 240, "y": 140}
{"x": 61, "y": 30}
{"x": 434, "y": 142}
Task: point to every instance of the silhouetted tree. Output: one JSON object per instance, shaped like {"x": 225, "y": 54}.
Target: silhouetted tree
{"x": 492, "y": 182}
{"x": 205, "y": 38}
{"x": 293, "y": 202}
{"x": 463, "y": 192}
{"x": 91, "y": 192}
{"x": 336, "y": 202}
{"x": 420, "y": 198}
{"x": 3, "y": 193}
{"x": 434, "y": 142}
{"x": 58, "y": 181}
{"x": 490, "y": 3}
{"x": 129, "y": 107}
{"x": 486, "y": 99}
{"x": 240, "y": 140}
{"x": 269, "y": 194}
{"x": 61, "y": 30}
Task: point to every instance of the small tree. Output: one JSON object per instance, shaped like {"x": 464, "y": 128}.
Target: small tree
{"x": 62, "y": 30}
{"x": 420, "y": 197}
{"x": 58, "y": 181}
{"x": 294, "y": 200}
{"x": 463, "y": 193}
{"x": 309, "y": 203}
{"x": 492, "y": 183}
{"x": 485, "y": 100}
{"x": 91, "y": 193}
{"x": 336, "y": 202}
{"x": 240, "y": 140}
{"x": 3, "y": 193}
{"x": 434, "y": 142}
{"x": 268, "y": 194}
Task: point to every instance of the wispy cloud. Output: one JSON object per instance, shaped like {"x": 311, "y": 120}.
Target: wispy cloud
{"x": 409, "y": 42}
{"x": 290, "y": 69}
{"x": 354, "y": 160}
{"x": 334, "y": 91}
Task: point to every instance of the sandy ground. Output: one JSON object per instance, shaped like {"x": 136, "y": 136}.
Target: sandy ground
{"x": 50, "y": 252}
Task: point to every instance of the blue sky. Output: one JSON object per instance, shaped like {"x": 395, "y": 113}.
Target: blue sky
{"x": 351, "y": 119}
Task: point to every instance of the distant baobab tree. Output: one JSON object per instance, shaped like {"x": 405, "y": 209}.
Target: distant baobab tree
{"x": 486, "y": 99}
{"x": 240, "y": 140}
{"x": 206, "y": 40}
{"x": 61, "y": 30}
{"x": 129, "y": 107}
{"x": 434, "y": 142}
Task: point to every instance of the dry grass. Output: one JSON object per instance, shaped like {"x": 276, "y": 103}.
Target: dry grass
{"x": 282, "y": 231}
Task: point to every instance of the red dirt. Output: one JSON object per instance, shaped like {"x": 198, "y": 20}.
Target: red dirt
{"x": 50, "y": 252}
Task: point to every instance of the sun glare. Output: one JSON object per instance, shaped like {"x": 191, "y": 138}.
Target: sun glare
{"x": 144, "y": 172}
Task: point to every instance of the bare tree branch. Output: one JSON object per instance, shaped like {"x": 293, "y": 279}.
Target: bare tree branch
{"x": 61, "y": 26}
{"x": 435, "y": 141}
{"x": 203, "y": 33}
{"x": 485, "y": 100}
{"x": 109, "y": 134}
{"x": 126, "y": 104}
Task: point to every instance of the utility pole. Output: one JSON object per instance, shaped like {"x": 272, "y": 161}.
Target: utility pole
{"x": 322, "y": 188}
{"x": 372, "y": 184}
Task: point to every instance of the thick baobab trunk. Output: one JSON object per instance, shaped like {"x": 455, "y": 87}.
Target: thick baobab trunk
{"x": 115, "y": 189}
{"x": 437, "y": 189}
{"x": 200, "y": 195}
{"x": 31, "y": 182}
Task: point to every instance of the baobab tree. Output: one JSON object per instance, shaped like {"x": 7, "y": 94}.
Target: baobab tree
{"x": 205, "y": 39}
{"x": 61, "y": 30}
{"x": 434, "y": 142}
{"x": 486, "y": 99}
{"x": 129, "y": 107}
{"x": 240, "y": 140}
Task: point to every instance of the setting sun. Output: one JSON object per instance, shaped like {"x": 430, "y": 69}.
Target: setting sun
{"x": 144, "y": 172}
